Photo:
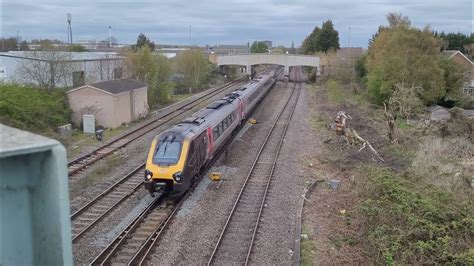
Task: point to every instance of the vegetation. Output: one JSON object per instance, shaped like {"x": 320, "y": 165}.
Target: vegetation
{"x": 153, "y": 69}
{"x": 259, "y": 47}
{"x": 455, "y": 41}
{"x": 143, "y": 41}
{"x": 403, "y": 54}
{"x": 98, "y": 174}
{"x": 196, "y": 71}
{"x": 32, "y": 109}
{"x": 322, "y": 39}
{"x": 335, "y": 92}
{"x": 11, "y": 44}
{"x": 52, "y": 68}
{"x": 453, "y": 75}
{"x": 413, "y": 222}
{"x": 76, "y": 48}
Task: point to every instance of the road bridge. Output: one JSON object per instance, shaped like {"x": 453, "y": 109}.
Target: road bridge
{"x": 247, "y": 60}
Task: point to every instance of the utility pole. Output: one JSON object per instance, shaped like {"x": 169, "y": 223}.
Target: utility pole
{"x": 349, "y": 36}
{"x": 18, "y": 39}
{"x": 190, "y": 36}
{"x": 110, "y": 36}
{"x": 69, "y": 28}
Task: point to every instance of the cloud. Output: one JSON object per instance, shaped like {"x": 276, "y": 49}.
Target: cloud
{"x": 218, "y": 22}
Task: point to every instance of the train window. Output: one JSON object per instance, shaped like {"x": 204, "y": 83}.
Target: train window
{"x": 226, "y": 123}
{"x": 167, "y": 153}
{"x": 221, "y": 128}
{"x": 215, "y": 133}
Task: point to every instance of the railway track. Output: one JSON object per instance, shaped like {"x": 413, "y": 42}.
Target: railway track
{"x": 235, "y": 243}
{"x": 94, "y": 211}
{"x": 82, "y": 162}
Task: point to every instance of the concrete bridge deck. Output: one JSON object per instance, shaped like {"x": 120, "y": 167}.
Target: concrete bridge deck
{"x": 248, "y": 60}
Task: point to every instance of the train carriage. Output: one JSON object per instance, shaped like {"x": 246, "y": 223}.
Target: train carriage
{"x": 178, "y": 155}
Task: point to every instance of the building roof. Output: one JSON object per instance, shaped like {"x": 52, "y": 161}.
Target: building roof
{"x": 118, "y": 85}
{"x": 452, "y": 53}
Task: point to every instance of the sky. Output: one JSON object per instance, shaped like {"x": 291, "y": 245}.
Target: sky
{"x": 224, "y": 22}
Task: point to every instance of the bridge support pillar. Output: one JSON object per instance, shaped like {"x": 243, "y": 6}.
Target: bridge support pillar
{"x": 248, "y": 70}
{"x": 286, "y": 71}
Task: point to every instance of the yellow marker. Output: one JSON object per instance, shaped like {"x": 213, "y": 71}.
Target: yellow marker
{"x": 253, "y": 121}
{"x": 215, "y": 176}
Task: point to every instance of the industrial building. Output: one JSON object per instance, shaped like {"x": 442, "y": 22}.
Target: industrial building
{"x": 112, "y": 102}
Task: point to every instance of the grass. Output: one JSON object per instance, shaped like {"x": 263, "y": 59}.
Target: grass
{"x": 308, "y": 249}
{"x": 335, "y": 93}
{"x": 97, "y": 174}
{"x": 179, "y": 97}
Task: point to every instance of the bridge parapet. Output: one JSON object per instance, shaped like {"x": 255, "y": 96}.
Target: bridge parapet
{"x": 248, "y": 60}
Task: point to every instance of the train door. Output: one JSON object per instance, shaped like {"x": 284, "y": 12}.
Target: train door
{"x": 241, "y": 109}
{"x": 201, "y": 149}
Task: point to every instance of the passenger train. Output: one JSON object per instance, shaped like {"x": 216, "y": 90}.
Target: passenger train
{"x": 178, "y": 155}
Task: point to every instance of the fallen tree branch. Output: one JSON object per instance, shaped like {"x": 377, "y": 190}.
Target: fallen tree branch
{"x": 351, "y": 135}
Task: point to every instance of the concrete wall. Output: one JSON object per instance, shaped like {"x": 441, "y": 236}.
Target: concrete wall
{"x": 90, "y": 101}
{"x": 248, "y": 60}
{"x": 122, "y": 113}
{"x": 140, "y": 103}
{"x": 110, "y": 110}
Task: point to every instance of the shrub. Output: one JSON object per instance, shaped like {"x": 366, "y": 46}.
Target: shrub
{"x": 33, "y": 109}
{"x": 410, "y": 222}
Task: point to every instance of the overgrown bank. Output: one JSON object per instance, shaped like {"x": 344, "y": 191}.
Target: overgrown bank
{"x": 413, "y": 208}
{"x": 33, "y": 109}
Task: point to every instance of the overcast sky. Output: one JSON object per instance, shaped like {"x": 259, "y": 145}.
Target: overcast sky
{"x": 224, "y": 22}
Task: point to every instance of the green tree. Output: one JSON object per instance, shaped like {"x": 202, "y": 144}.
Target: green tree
{"x": 76, "y": 48}
{"x": 454, "y": 78}
{"x": 328, "y": 39}
{"x": 143, "y": 41}
{"x": 8, "y": 44}
{"x": 402, "y": 54}
{"x": 322, "y": 39}
{"x": 456, "y": 41}
{"x": 258, "y": 47}
{"x": 153, "y": 69}
{"x": 195, "y": 69}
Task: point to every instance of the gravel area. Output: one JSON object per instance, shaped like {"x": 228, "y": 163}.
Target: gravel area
{"x": 94, "y": 180}
{"x": 277, "y": 239}
{"x": 191, "y": 236}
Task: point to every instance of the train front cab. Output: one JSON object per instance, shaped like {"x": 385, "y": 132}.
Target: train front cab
{"x": 173, "y": 162}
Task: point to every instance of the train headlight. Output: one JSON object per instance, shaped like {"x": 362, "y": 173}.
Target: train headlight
{"x": 177, "y": 176}
{"x": 148, "y": 175}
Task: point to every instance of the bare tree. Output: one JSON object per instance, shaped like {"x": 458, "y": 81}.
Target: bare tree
{"x": 46, "y": 68}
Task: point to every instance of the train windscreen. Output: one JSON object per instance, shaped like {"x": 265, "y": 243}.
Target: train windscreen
{"x": 167, "y": 152}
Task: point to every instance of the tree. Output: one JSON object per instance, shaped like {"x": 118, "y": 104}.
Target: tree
{"x": 406, "y": 55}
{"x": 454, "y": 78}
{"x": 76, "y": 48}
{"x": 9, "y": 44}
{"x": 328, "y": 39}
{"x": 47, "y": 69}
{"x": 143, "y": 40}
{"x": 309, "y": 44}
{"x": 292, "y": 49}
{"x": 194, "y": 68}
{"x": 456, "y": 41}
{"x": 258, "y": 47}
{"x": 322, "y": 39}
{"x": 397, "y": 19}
{"x": 153, "y": 69}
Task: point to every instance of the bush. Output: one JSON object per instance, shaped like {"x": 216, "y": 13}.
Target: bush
{"x": 33, "y": 109}
{"x": 410, "y": 222}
